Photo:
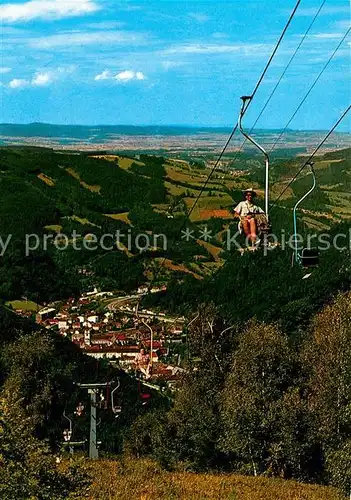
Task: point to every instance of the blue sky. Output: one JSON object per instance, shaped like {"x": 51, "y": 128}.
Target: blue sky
{"x": 169, "y": 62}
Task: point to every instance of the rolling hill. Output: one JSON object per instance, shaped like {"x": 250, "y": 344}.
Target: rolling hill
{"x": 46, "y": 192}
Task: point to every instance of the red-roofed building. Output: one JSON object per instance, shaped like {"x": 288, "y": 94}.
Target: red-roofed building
{"x": 155, "y": 345}
{"x": 99, "y": 351}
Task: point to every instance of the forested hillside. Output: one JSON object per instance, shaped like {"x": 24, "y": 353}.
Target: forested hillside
{"x": 254, "y": 400}
{"x": 266, "y": 387}
{"x": 47, "y": 193}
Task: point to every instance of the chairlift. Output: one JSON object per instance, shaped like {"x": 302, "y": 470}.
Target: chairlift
{"x": 67, "y": 434}
{"x": 245, "y": 103}
{"x": 307, "y": 257}
{"x": 144, "y": 396}
{"x": 79, "y": 410}
{"x": 102, "y": 400}
{"x": 116, "y": 408}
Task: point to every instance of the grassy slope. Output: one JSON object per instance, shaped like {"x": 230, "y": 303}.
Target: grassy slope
{"x": 331, "y": 197}
{"x": 143, "y": 479}
{"x": 24, "y": 305}
{"x": 333, "y": 180}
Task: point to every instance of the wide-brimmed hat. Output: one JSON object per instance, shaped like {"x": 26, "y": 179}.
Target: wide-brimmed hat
{"x": 250, "y": 190}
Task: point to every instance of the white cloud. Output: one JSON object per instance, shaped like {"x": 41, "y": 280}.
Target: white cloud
{"x": 42, "y": 79}
{"x": 326, "y": 11}
{"x": 123, "y": 76}
{"x": 131, "y": 8}
{"x": 4, "y": 70}
{"x": 326, "y": 36}
{"x": 46, "y": 9}
{"x": 9, "y": 30}
{"x": 200, "y": 18}
{"x": 85, "y": 38}
{"x": 208, "y": 48}
{"x": 105, "y": 75}
{"x": 105, "y": 25}
{"x": 172, "y": 64}
{"x": 126, "y": 76}
{"x": 18, "y": 83}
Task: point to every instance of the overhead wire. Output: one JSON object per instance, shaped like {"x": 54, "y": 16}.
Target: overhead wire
{"x": 310, "y": 89}
{"x": 292, "y": 180}
{"x": 214, "y": 168}
{"x": 311, "y": 156}
{"x": 236, "y": 126}
{"x": 282, "y": 76}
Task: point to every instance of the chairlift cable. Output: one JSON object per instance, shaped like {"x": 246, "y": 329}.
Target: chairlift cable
{"x": 214, "y": 168}
{"x": 271, "y": 95}
{"x": 312, "y": 155}
{"x": 300, "y": 170}
{"x": 282, "y": 75}
{"x": 310, "y": 89}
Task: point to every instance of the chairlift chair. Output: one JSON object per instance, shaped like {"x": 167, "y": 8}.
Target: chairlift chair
{"x": 262, "y": 220}
{"x": 144, "y": 396}
{"x": 307, "y": 257}
{"x": 102, "y": 403}
{"x": 116, "y": 408}
{"x": 79, "y": 410}
{"x": 67, "y": 434}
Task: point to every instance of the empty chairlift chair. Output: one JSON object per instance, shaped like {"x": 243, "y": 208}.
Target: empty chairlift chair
{"x": 306, "y": 257}
{"x": 116, "y": 404}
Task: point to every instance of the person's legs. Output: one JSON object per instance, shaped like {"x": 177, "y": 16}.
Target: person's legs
{"x": 253, "y": 229}
{"x": 246, "y": 226}
{"x": 250, "y": 228}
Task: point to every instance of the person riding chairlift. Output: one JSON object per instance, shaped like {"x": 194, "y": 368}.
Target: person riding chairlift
{"x": 247, "y": 211}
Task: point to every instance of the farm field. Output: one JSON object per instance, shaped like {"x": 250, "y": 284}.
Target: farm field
{"x": 24, "y": 305}
{"x": 109, "y": 192}
{"x": 122, "y": 217}
{"x": 75, "y": 175}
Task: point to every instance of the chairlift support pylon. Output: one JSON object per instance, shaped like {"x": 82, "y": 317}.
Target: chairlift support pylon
{"x": 93, "y": 390}
{"x": 149, "y": 368}
{"x": 245, "y": 103}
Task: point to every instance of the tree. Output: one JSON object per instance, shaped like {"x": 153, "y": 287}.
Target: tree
{"x": 41, "y": 367}
{"x": 193, "y": 421}
{"x": 338, "y": 466}
{"x": 191, "y": 427}
{"x": 262, "y": 415}
{"x": 27, "y": 467}
{"x": 327, "y": 357}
